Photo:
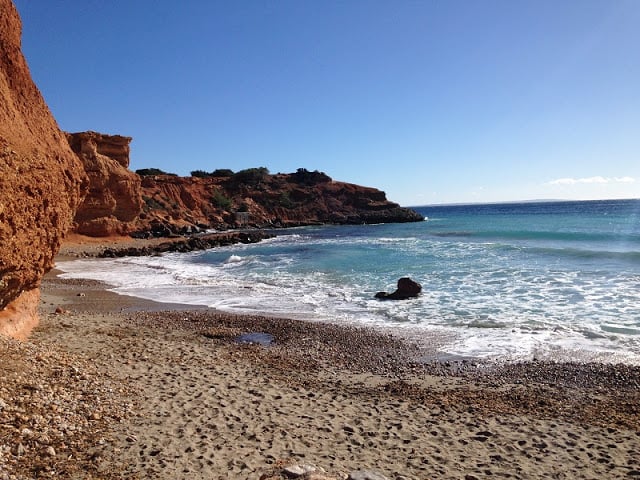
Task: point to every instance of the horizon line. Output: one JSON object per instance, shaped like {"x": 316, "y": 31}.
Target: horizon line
{"x": 510, "y": 202}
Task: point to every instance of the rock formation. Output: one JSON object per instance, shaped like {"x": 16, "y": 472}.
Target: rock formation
{"x": 175, "y": 204}
{"x": 113, "y": 200}
{"x": 41, "y": 182}
{"x": 407, "y": 288}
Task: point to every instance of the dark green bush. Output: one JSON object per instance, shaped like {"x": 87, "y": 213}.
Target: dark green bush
{"x": 250, "y": 177}
{"x": 305, "y": 177}
{"x": 220, "y": 200}
{"x": 200, "y": 173}
{"x": 143, "y": 172}
{"x": 285, "y": 200}
{"x": 222, "y": 172}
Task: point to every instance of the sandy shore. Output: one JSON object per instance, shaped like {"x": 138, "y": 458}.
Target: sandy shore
{"x": 117, "y": 387}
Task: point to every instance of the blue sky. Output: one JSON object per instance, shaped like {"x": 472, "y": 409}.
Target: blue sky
{"x": 431, "y": 101}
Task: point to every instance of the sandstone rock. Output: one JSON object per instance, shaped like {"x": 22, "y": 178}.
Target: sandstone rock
{"x": 41, "y": 182}
{"x": 407, "y": 288}
{"x": 114, "y": 197}
{"x": 20, "y": 316}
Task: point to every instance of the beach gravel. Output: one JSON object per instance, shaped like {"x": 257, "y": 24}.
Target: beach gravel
{"x": 118, "y": 388}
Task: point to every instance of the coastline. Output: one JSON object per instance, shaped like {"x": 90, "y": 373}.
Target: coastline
{"x": 168, "y": 393}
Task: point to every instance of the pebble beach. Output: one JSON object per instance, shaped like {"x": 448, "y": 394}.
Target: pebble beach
{"x": 110, "y": 386}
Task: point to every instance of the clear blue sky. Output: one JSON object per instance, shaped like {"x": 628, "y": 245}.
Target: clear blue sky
{"x": 432, "y": 101}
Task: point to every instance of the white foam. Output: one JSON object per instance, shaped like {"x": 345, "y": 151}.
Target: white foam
{"x": 234, "y": 259}
{"x": 491, "y": 307}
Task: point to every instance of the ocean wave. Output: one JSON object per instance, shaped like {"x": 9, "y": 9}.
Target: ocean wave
{"x": 496, "y": 297}
{"x": 588, "y": 254}
{"x": 234, "y": 259}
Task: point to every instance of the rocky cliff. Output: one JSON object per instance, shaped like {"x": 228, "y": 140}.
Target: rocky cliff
{"x": 113, "y": 201}
{"x": 255, "y": 198}
{"x": 41, "y": 182}
{"x": 157, "y": 204}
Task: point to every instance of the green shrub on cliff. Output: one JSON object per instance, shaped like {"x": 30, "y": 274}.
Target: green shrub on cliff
{"x": 285, "y": 200}
{"x": 250, "y": 177}
{"x": 305, "y": 177}
{"x": 200, "y": 174}
{"x": 220, "y": 172}
{"x": 220, "y": 200}
{"x": 143, "y": 172}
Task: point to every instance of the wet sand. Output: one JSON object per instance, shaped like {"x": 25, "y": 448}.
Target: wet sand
{"x": 118, "y": 387}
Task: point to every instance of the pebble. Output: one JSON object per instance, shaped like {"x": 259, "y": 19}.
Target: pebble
{"x": 295, "y": 471}
{"x": 19, "y": 450}
{"x": 348, "y": 428}
{"x": 47, "y": 398}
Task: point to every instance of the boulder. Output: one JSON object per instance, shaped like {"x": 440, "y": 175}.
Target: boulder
{"x": 41, "y": 183}
{"x": 407, "y": 288}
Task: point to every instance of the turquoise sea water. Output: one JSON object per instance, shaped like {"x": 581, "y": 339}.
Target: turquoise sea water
{"x": 559, "y": 280}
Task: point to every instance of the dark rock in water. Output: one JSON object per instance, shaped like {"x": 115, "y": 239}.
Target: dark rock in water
{"x": 407, "y": 288}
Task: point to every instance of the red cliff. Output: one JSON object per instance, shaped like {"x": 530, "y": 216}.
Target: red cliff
{"x": 113, "y": 200}
{"x": 41, "y": 183}
{"x": 159, "y": 204}
{"x": 253, "y": 197}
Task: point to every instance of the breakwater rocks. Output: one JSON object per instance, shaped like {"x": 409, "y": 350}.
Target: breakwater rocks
{"x": 189, "y": 244}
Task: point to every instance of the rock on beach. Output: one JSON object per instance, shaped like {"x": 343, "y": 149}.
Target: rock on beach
{"x": 407, "y": 288}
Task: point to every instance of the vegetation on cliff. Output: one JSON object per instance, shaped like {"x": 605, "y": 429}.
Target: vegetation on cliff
{"x": 152, "y": 202}
{"x": 254, "y": 197}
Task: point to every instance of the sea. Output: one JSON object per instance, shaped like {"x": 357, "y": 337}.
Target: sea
{"x": 517, "y": 281}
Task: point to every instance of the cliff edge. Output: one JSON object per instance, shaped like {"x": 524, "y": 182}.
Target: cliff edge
{"x": 113, "y": 200}
{"x": 255, "y": 198}
{"x": 41, "y": 183}
{"x": 152, "y": 203}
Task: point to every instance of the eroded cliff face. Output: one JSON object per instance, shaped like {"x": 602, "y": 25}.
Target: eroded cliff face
{"x": 113, "y": 200}
{"x": 41, "y": 183}
{"x": 182, "y": 204}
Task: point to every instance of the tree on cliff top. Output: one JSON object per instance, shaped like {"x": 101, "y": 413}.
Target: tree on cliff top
{"x": 305, "y": 177}
{"x": 143, "y": 172}
{"x": 251, "y": 177}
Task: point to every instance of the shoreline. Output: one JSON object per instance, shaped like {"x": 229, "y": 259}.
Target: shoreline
{"x": 439, "y": 342}
{"x": 168, "y": 392}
